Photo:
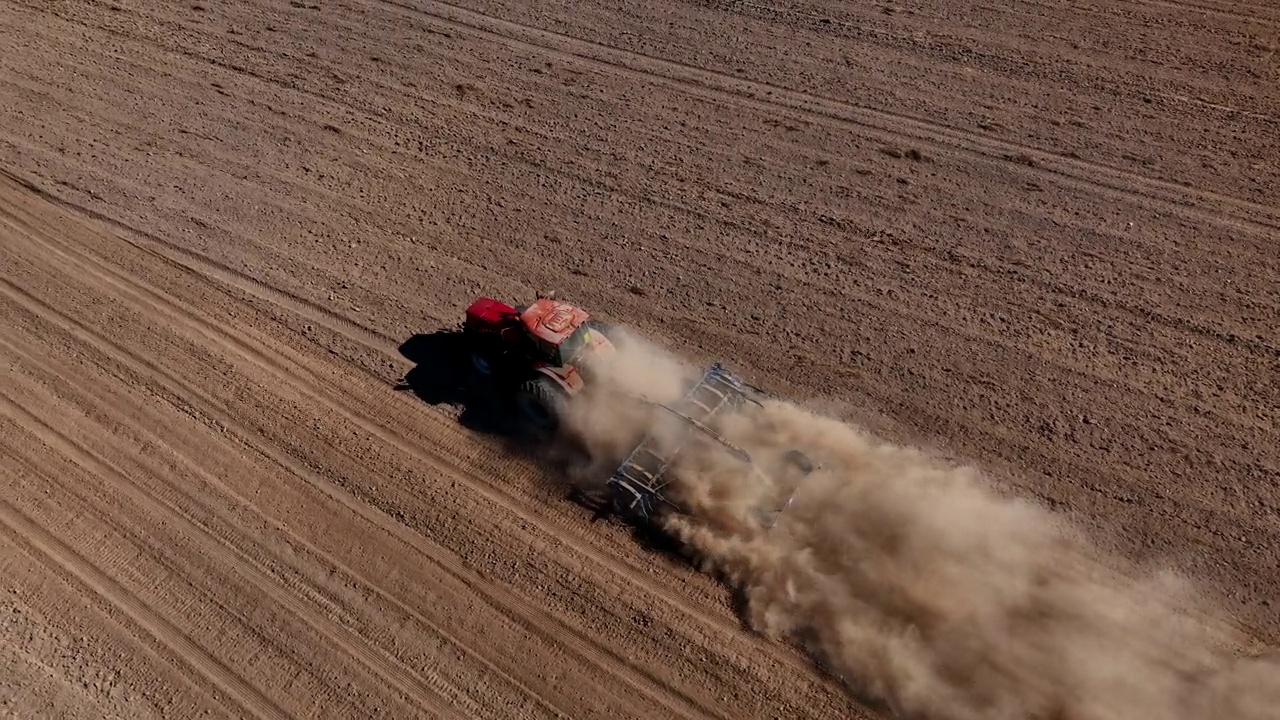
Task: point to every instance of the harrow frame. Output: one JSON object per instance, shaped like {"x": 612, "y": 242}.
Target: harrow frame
{"x": 635, "y": 488}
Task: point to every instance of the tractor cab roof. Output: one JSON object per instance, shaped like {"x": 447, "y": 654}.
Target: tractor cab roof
{"x": 552, "y": 321}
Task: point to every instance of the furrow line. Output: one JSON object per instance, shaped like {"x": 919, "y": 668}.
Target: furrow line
{"x": 40, "y": 544}
{"x": 418, "y": 690}
{"x": 762, "y": 9}
{"x": 762, "y": 95}
{"x": 107, "y": 557}
{"x": 94, "y": 502}
{"x": 306, "y": 309}
{"x": 1194, "y": 8}
{"x": 174, "y": 254}
{"x": 187, "y": 499}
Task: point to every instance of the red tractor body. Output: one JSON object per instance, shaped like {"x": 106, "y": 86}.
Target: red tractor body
{"x": 542, "y": 348}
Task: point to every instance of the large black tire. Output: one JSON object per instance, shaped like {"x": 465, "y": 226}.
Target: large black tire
{"x": 480, "y": 365}
{"x": 539, "y": 401}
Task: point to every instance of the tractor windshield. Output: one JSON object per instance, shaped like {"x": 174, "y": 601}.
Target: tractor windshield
{"x": 573, "y": 345}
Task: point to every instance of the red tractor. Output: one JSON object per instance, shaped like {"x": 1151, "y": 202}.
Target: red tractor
{"x": 543, "y": 352}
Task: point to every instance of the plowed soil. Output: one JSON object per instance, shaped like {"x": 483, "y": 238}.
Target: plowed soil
{"x": 1041, "y": 237}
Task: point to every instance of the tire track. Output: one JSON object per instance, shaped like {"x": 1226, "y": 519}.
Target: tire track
{"x": 203, "y": 266}
{"x": 42, "y": 546}
{"x": 138, "y": 551}
{"x": 419, "y": 690}
{"x": 1184, "y": 7}
{"x": 1236, "y": 213}
{"x": 186, "y": 499}
{"x": 1210, "y": 8}
{"x": 503, "y": 601}
{"x": 769, "y": 12}
{"x": 127, "y": 650}
{"x": 451, "y": 458}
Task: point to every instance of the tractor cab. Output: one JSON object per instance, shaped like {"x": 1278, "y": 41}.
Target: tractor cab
{"x": 548, "y": 331}
{"x": 546, "y": 349}
{"x": 560, "y": 331}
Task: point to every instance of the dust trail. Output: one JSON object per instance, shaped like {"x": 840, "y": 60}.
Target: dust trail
{"x": 918, "y": 584}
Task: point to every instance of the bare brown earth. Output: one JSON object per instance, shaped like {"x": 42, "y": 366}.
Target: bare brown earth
{"x": 1043, "y": 237}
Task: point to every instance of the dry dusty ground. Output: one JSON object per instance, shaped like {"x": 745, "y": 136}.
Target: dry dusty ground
{"x": 1040, "y": 236}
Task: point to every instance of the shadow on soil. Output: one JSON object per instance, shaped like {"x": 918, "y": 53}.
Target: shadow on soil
{"x": 442, "y": 374}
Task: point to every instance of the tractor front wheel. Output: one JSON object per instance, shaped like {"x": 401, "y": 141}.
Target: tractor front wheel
{"x": 539, "y": 401}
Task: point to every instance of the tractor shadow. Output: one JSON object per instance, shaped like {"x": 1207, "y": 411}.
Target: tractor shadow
{"x": 442, "y": 375}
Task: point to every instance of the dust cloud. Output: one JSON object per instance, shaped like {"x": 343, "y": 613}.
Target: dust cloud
{"x": 920, "y": 586}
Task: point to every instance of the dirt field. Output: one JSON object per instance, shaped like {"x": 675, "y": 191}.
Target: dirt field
{"x": 1045, "y": 239}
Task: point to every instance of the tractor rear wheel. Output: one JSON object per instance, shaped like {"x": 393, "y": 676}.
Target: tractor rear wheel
{"x": 539, "y": 401}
